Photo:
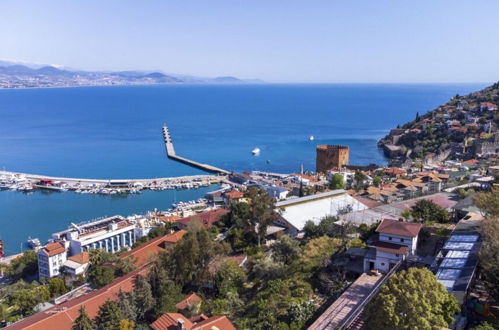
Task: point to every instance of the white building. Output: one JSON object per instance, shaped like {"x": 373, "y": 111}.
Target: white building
{"x": 51, "y": 259}
{"x": 110, "y": 234}
{"x": 397, "y": 239}
{"x": 77, "y": 264}
{"x": 295, "y": 212}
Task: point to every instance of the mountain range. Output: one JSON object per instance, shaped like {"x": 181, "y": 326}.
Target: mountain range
{"x": 21, "y": 75}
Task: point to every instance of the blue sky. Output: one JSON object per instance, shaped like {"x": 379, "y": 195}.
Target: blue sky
{"x": 278, "y": 41}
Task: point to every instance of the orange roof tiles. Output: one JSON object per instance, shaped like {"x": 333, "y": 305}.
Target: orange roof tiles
{"x": 402, "y": 228}
{"x": 234, "y": 194}
{"x": 207, "y": 218}
{"x": 81, "y": 258}
{"x": 53, "y": 249}
{"x": 169, "y": 321}
{"x": 188, "y": 301}
{"x": 148, "y": 250}
{"x": 215, "y": 322}
{"x": 62, "y": 316}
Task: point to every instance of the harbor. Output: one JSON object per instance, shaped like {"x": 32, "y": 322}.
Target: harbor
{"x": 26, "y": 182}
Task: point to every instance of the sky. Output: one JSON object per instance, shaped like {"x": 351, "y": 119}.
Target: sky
{"x": 277, "y": 41}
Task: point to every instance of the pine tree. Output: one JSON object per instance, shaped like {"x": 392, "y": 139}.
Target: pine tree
{"x": 110, "y": 315}
{"x": 83, "y": 322}
{"x": 127, "y": 306}
{"x": 144, "y": 300}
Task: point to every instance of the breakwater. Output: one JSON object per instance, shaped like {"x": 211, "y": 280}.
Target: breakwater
{"x": 170, "y": 152}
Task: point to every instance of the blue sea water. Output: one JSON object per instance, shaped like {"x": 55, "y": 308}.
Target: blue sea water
{"x": 115, "y": 132}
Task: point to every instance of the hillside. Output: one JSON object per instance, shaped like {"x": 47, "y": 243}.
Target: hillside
{"x": 14, "y": 75}
{"x": 463, "y": 128}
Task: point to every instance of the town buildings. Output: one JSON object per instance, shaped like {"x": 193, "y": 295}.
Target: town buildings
{"x": 110, "y": 234}
{"x": 395, "y": 241}
{"x": 295, "y": 212}
{"x": 331, "y": 157}
{"x": 51, "y": 259}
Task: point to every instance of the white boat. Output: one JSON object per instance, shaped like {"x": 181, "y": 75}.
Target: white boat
{"x": 33, "y": 242}
{"x": 255, "y": 151}
{"x": 311, "y": 138}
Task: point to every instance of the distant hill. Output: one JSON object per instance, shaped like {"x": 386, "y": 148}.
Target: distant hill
{"x": 15, "y": 75}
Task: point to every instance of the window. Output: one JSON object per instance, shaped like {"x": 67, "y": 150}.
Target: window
{"x": 389, "y": 238}
{"x": 396, "y": 254}
{"x": 382, "y": 264}
{"x": 402, "y": 240}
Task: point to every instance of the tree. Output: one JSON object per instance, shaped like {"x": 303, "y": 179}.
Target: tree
{"x": 359, "y": 180}
{"x": 266, "y": 269}
{"x": 489, "y": 256}
{"x": 24, "y": 266}
{"x": 126, "y": 302}
{"x": 377, "y": 181}
{"x": 144, "y": 300}
{"x": 189, "y": 258}
{"x": 411, "y": 299}
{"x": 166, "y": 292}
{"x": 127, "y": 325}
{"x": 83, "y": 321}
{"x": 488, "y": 202}
{"x": 110, "y": 315}
{"x": 57, "y": 287}
{"x": 28, "y": 296}
{"x": 100, "y": 276}
{"x": 327, "y": 227}
{"x": 426, "y": 210}
{"x": 229, "y": 278}
{"x": 125, "y": 265}
{"x": 356, "y": 243}
{"x": 484, "y": 326}
{"x": 285, "y": 249}
{"x": 317, "y": 251}
{"x": 262, "y": 211}
{"x": 337, "y": 181}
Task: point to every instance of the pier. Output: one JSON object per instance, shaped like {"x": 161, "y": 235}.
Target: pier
{"x": 170, "y": 152}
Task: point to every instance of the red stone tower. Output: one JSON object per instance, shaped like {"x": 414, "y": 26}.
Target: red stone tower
{"x": 331, "y": 157}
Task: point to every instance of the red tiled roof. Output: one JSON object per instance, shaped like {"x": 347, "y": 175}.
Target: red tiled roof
{"x": 390, "y": 247}
{"x": 144, "y": 252}
{"x": 207, "y": 218}
{"x": 62, "y": 316}
{"x": 402, "y": 228}
{"x": 234, "y": 194}
{"x": 53, "y": 249}
{"x": 169, "y": 321}
{"x": 217, "y": 322}
{"x": 471, "y": 162}
{"x": 367, "y": 201}
{"x": 189, "y": 300}
{"x": 81, "y": 258}
{"x": 395, "y": 171}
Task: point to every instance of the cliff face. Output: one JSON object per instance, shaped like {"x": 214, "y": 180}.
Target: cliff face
{"x": 457, "y": 129}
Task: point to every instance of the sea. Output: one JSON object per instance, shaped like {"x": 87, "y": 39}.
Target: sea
{"x": 115, "y": 133}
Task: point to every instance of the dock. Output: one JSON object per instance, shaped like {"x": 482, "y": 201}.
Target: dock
{"x": 170, "y": 153}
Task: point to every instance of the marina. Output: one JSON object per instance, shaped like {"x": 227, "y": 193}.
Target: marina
{"x": 28, "y": 182}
